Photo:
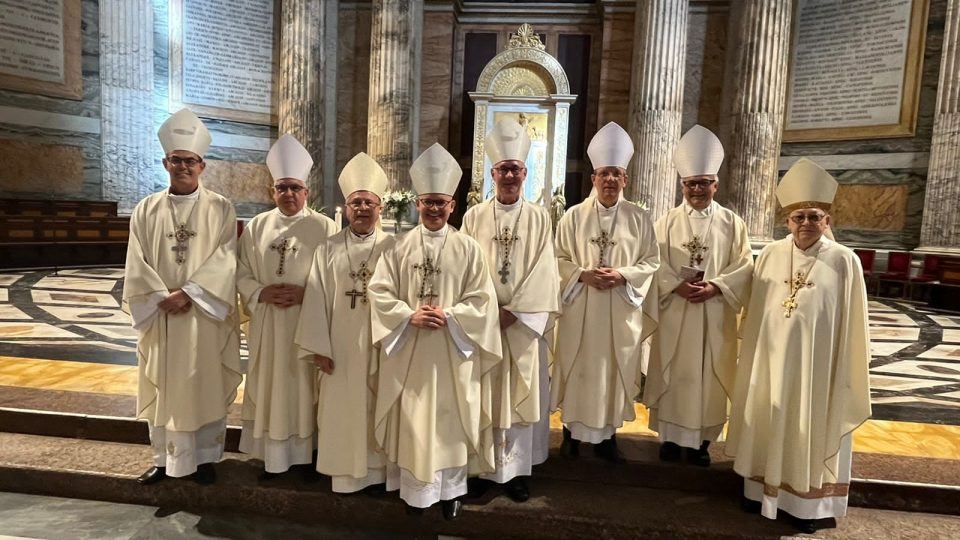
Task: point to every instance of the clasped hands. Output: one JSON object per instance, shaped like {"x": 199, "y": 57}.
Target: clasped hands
{"x": 427, "y": 316}
{"x": 697, "y": 292}
{"x": 323, "y": 363}
{"x": 175, "y": 303}
{"x": 603, "y": 278}
{"x": 282, "y": 295}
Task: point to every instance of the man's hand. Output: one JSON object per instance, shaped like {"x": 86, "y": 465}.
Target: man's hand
{"x": 506, "y": 318}
{"x": 707, "y": 291}
{"x": 323, "y": 363}
{"x": 685, "y": 289}
{"x": 428, "y": 317}
{"x": 282, "y": 295}
{"x": 175, "y": 303}
{"x": 602, "y": 278}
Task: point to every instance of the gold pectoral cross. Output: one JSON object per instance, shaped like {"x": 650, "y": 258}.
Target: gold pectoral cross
{"x": 363, "y": 274}
{"x": 427, "y": 271}
{"x": 697, "y": 248}
{"x": 181, "y": 235}
{"x": 506, "y": 239}
{"x": 282, "y": 246}
{"x": 798, "y": 282}
{"x": 603, "y": 241}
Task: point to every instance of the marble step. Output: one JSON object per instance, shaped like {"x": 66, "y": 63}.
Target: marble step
{"x": 571, "y": 508}
{"x": 880, "y": 481}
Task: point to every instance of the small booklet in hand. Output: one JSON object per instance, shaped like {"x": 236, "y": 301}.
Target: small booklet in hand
{"x": 691, "y": 274}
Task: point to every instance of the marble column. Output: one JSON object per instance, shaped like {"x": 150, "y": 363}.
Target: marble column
{"x": 302, "y": 90}
{"x": 656, "y": 100}
{"x": 755, "y": 92}
{"x": 393, "y": 113}
{"x": 940, "y": 231}
{"x": 128, "y": 137}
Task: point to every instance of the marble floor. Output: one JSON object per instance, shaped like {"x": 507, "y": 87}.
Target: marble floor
{"x": 65, "y": 331}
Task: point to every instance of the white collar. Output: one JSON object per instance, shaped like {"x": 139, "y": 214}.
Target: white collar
{"x": 194, "y": 195}
{"x": 298, "y": 215}
{"x": 601, "y": 208}
{"x": 817, "y": 246}
{"x": 361, "y": 237}
{"x": 693, "y": 212}
{"x": 434, "y": 234}
{"x": 507, "y": 207}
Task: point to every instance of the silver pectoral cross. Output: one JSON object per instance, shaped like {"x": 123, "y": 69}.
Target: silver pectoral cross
{"x": 505, "y": 239}
{"x": 181, "y": 235}
{"x": 427, "y": 271}
{"x": 362, "y": 274}
{"x": 697, "y": 248}
{"x": 604, "y": 241}
{"x": 282, "y": 246}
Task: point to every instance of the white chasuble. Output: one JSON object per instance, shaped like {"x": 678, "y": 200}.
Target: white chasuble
{"x": 279, "y": 406}
{"x": 434, "y": 409}
{"x": 517, "y": 241}
{"x": 335, "y": 322}
{"x": 596, "y": 369}
{"x": 693, "y": 354}
{"x": 802, "y": 385}
{"x": 189, "y": 363}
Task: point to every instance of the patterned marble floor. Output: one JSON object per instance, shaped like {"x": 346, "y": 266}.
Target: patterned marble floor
{"x": 65, "y": 331}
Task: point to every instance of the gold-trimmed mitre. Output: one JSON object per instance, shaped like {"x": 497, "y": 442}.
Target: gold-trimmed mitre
{"x": 806, "y": 185}
{"x": 363, "y": 173}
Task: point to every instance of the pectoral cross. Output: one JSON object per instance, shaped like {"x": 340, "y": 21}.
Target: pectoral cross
{"x": 603, "y": 241}
{"x": 363, "y": 274}
{"x": 798, "y": 282}
{"x": 282, "y": 246}
{"x": 696, "y": 247}
{"x": 427, "y": 271}
{"x": 506, "y": 239}
{"x": 181, "y": 235}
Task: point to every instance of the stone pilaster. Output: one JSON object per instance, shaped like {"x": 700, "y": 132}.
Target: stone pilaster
{"x": 940, "y": 231}
{"x": 128, "y": 137}
{"x": 302, "y": 89}
{"x": 755, "y": 92}
{"x": 656, "y": 100}
{"x": 393, "y": 115}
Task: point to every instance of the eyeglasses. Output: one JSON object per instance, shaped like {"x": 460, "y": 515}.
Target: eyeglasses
{"x": 362, "y": 203}
{"x": 610, "y": 172}
{"x": 812, "y": 218}
{"x": 292, "y": 188}
{"x": 698, "y": 184}
{"x": 434, "y": 203}
{"x": 504, "y": 171}
{"x": 189, "y": 162}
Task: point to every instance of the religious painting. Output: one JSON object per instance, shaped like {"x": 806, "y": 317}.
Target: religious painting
{"x": 536, "y": 121}
{"x": 40, "y": 48}
{"x": 855, "y": 69}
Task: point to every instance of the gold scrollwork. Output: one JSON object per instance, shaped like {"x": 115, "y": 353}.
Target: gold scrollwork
{"x": 525, "y": 38}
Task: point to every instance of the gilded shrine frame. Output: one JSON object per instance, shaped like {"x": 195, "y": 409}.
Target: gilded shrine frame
{"x": 528, "y": 84}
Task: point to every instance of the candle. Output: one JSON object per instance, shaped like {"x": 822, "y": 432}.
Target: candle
{"x": 338, "y": 217}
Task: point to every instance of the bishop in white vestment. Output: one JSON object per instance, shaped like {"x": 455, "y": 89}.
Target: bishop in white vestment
{"x": 334, "y": 333}
{"x": 180, "y": 290}
{"x": 802, "y": 384}
{"x": 608, "y": 255}
{"x": 517, "y": 240}
{"x": 275, "y": 255}
{"x": 435, "y": 315}
{"x": 703, "y": 283}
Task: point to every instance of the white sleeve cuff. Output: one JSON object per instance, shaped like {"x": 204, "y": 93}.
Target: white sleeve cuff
{"x": 395, "y": 340}
{"x": 143, "y": 310}
{"x": 534, "y": 321}
{"x": 208, "y": 303}
{"x": 573, "y": 288}
{"x": 463, "y": 343}
{"x": 631, "y": 295}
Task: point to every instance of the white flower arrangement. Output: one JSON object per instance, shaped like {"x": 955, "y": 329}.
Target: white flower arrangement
{"x": 396, "y": 203}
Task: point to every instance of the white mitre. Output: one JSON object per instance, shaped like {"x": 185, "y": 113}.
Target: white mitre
{"x": 507, "y": 140}
{"x": 436, "y": 171}
{"x": 184, "y": 131}
{"x": 610, "y": 147}
{"x": 363, "y": 173}
{"x": 288, "y": 158}
{"x": 806, "y": 185}
{"x": 699, "y": 153}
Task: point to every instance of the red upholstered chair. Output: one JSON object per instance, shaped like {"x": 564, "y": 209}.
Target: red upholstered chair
{"x": 898, "y": 271}
{"x": 930, "y": 273}
{"x": 867, "y": 258}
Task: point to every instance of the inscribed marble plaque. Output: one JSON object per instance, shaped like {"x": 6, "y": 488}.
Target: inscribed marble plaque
{"x": 854, "y": 69}
{"x": 40, "y": 47}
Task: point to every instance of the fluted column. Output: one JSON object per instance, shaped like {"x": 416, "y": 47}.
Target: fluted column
{"x": 302, "y": 89}
{"x": 656, "y": 100}
{"x": 940, "y": 231}
{"x": 128, "y": 138}
{"x": 394, "y": 88}
{"x": 755, "y": 91}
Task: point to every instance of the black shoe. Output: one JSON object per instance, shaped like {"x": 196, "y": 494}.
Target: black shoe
{"x": 608, "y": 451}
{"x": 517, "y": 490}
{"x": 669, "y": 452}
{"x": 205, "y": 474}
{"x": 699, "y": 457}
{"x": 375, "y": 490}
{"x": 451, "y": 509}
{"x": 152, "y": 476}
{"x": 806, "y": 526}
{"x": 750, "y": 506}
{"x": 570, "y": 448}
{"x": 477, "y": 487}
{"x": 414, "y": 511}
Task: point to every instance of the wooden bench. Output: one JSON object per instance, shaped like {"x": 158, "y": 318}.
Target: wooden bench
{"x": 54, "y": 242}
{"x": 40, "y": 207}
